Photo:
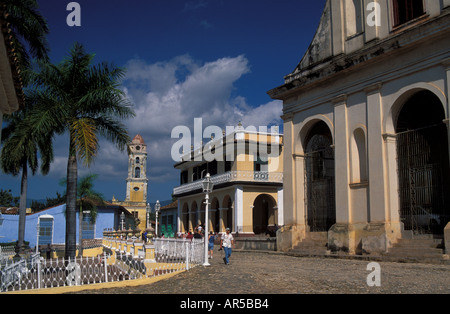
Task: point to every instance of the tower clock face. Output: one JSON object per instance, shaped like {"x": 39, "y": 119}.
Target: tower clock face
{"x": 138, "y": 148}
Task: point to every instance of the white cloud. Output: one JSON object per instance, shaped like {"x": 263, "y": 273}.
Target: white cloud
{"x": 165, "y": 95}
{"x": 172, "y": 93}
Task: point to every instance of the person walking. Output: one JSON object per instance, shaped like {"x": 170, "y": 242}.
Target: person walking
{"x": 227, "y": 242}
{"x": 211, "y": 244}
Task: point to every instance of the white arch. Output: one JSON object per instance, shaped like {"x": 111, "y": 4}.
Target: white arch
{"x": 307, "y": 124}
{"x": 402, "y": 96}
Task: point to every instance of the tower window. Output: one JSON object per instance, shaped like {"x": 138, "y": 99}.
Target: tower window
{"x": 138, "y": 160}
{"x": 137, "y": 172}
{"x": 407, "y": 10}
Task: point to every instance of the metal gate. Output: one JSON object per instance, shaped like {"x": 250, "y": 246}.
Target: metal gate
{"x": 320, "y": 184}
{"x": 424, "y": 175}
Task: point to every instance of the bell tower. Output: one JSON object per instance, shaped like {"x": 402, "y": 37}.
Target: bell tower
{"x": 137, "y": 171}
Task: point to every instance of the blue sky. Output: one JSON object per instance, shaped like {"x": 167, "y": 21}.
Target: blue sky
{"x": 185, "y": 59}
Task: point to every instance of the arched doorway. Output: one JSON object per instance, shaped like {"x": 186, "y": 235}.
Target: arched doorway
{"x": 423, "y": 164}
{"x": 228, "y": 213}
{"x": 215, "y": 215}
{"x": 320, "y": 178}
{"x": 185, "y": 218}
{"x": 264, "y": 213}
{"x": 193, "y": 217}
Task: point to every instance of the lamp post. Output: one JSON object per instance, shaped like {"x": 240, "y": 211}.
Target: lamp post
{"x": 148, "y": 209}
{"x": 37, "y": 236}
{"x": 207, "y": 188}
{"x": 122, "y": 220}
{"x": 157, "y": 208}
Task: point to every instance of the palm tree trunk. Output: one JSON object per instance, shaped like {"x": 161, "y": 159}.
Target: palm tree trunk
{"x": 20, "y": 248}
{"x": 80, "y": 230}
{"x": 71, "y": 214}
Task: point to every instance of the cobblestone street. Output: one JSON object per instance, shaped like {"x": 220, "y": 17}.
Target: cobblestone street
{"x": 262, "y": 273}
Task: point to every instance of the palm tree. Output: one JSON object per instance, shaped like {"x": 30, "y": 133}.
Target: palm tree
{"x": 29, "y": 30}
{"x": 22, "y": 143}
{"x": 86, "y": 101}
{"x": 88, "y": 200}
{"x": 28, "y": 37}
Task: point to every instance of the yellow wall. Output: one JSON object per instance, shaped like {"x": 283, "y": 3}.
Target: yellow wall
{"x": 250, "y": 193}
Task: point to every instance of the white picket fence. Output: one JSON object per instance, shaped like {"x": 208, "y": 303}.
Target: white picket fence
{"x": 39, "y": 273}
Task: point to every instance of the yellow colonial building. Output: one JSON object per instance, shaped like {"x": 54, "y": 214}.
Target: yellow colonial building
{"x": 137, "y": 182}
{"x": 248, "y": 183}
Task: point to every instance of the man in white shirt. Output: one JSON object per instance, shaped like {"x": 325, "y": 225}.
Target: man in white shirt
{"x": 227, "y": 242}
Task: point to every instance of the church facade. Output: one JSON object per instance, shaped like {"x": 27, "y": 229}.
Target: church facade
{"x": 366, "y": 126}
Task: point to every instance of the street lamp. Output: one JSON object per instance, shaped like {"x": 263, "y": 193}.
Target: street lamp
{"x": 207, "y": 188}
{"x": 157, "y": 208}
{"x": 147, "y": 210}
{"x": 37, "y": 236}
{"x": 122, "y": 220}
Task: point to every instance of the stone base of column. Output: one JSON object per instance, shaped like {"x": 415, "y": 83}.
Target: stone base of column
{"x": 363, "y": 238}
{"x": 290, "y": 236}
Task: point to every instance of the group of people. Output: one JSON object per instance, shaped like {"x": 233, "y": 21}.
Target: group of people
{"x": 226, "y": 241}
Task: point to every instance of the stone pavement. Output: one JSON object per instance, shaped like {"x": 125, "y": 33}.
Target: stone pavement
{"x": 275, "y": 273}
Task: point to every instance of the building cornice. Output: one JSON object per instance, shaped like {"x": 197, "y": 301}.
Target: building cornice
{"x": 331, "y": 67}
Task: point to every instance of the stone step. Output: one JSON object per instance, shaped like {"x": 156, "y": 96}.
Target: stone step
{"x": 416, "y": 250}
{"x": 317, "y": 236}
{"x": 418, "y": 244}
{"x": 314, "y": 244}
{"x": 315, "y": 251}
{"x": 421, "y": 248}
{"x": 409, "y": 254}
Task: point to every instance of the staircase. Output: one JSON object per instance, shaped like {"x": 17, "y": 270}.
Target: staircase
{"x": 314, "y": 244}
{"x": 422, "y": 248}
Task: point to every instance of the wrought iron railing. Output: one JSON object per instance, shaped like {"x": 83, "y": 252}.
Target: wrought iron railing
{"x": 233, "y": 176}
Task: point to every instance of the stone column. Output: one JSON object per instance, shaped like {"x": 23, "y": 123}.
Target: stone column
{"x": 341, "y": 236}
{"x": 221, "y": 219}
{"x": 299, "y": 205}
{"x": 375, "y": 239}
{"x": 342, "y": 161}
{"x": 238, "y": 209}
{"x": 190, "y": 221}
{"x": 390, "y": 143}
{"x": 280, "y": 207}
{"x": 376, "y": 155}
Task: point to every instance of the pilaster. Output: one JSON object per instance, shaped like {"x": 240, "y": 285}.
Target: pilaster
{"x": 376, "y": 155}
{"x": 239, "y": 209}
{"x": 342, "y": 169}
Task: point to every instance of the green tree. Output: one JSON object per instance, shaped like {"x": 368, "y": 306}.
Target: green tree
{"x": 86, "y": 101}
{"x": 22, "y": 144}
{"x": 7, "y": 199}
{"x": 37, "y": 206}
{"x": 29, "y": 30}
{"x": 22, "y": 141}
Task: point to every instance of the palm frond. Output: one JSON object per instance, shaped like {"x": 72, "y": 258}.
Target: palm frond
{"x": 83, "y": 134}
